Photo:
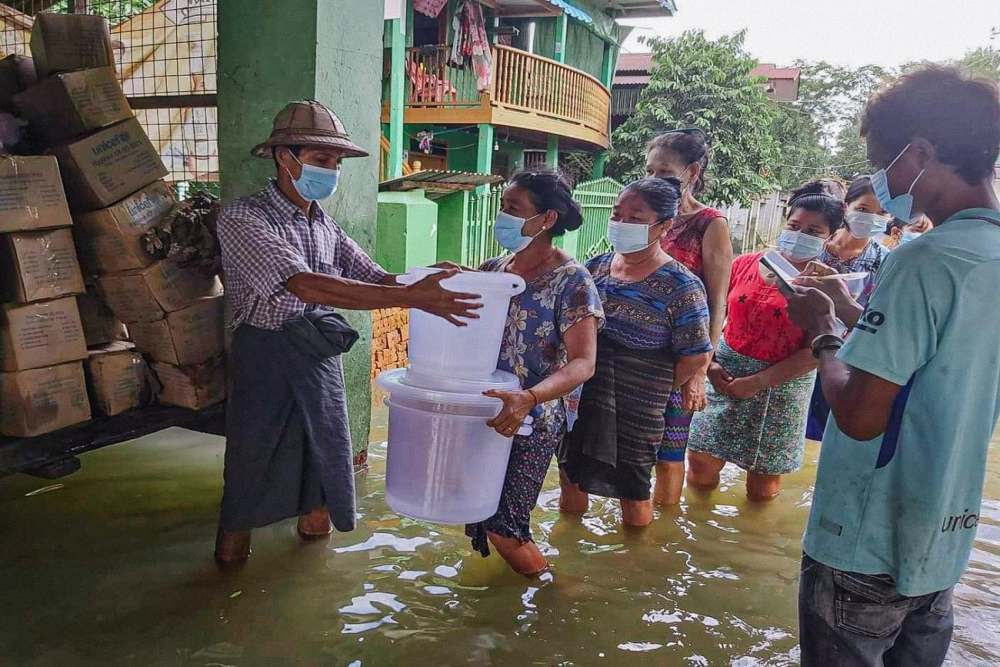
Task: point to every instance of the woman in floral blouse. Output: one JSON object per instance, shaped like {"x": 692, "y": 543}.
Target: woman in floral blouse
{"x": 550, "y": 344}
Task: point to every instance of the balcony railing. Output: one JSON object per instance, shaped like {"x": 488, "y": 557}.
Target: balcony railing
{"x": 525, "y": 91}
{"x": 432, "y": 82}
{"x": 526, "y": 82}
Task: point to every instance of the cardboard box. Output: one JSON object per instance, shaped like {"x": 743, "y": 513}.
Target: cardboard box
{"x": 17, "y": 73}
{"x": 100, "y": 326}
{"x": 192, "y": 387}
{"x": 40, "y": 334}
{"x": 117, "y": 379}
{"x": 69, "y": 105}
{"x": 108, "y": 165}
{"x": 189, "y": 336}
{"x": 38, "y": 265}
{"x": 144, "y": 295}
{"x": 110, "y": 239}
{"x": 31, "y": 194}
{"x": 67, "y": 42}
{"x": 42, "y": 400}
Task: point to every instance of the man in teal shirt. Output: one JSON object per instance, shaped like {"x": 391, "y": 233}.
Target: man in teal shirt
{"x": 915, "y": 390}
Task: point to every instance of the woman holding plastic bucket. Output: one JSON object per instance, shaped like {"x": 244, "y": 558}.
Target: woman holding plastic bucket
{"x": 550, "y": 344}
{"x": 656, "y": 337}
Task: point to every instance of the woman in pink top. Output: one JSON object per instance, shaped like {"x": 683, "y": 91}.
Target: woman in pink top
{"x": 699, "y": 239}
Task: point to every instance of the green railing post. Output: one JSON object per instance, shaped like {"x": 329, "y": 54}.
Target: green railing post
{"x": 552, "y": 152}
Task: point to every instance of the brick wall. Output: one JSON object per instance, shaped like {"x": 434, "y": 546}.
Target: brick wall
{"x": 390, "y": 333}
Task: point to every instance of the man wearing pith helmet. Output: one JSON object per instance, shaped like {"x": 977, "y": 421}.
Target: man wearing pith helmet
{"x": 287, "y": 266}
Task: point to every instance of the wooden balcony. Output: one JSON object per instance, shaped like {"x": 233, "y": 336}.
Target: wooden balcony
{"x": 525, "y": 91}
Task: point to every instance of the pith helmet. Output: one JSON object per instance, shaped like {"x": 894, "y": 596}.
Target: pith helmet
{"x": 308, "y": 123}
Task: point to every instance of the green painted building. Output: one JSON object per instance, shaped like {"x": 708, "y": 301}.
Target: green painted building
{"x": 547, "y": 91}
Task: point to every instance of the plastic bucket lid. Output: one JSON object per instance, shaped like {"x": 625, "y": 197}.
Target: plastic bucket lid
{"x": 445, "y": 391}
{"x": 499, "y": 380}
{"x": 475, "y": 282}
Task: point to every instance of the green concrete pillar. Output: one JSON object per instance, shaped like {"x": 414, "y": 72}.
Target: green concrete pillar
{"x": 397, "y": 89}
{"x": 608, "y": 64}
{"x": 484, "y": 149}
{"x": 452, "y": 228}
{"x": 562, "y": 23}
{"x": 517, "y": 158}
{"x": 407, "y": 230}
{"x": 600, "y": 163}
{"x": 552, "y": 152}
{"x": 271, "y": 53}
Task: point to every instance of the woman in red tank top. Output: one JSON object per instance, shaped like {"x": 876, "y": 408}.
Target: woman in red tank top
{"x": 699, "y": 239}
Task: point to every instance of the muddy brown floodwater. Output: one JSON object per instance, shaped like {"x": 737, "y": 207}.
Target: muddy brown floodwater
{"x": 113, "y": 565}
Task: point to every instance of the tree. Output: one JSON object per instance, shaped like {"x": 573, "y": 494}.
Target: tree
{"x": 801, "y": 152}
{"x": 834, "y": 96}
{"x": 982, "y": 62}
{"x": 707, "y": 84}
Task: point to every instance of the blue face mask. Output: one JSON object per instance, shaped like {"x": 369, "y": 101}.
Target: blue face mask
{"x": 507, "y": 231}
{"x": 908, "y": 236}
{"x": 900, "y": 206}
{"x": 315, "y": 183}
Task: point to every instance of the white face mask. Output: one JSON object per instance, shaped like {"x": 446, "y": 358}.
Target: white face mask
{"x": 629, "y": 237}
{"x": 799, "y": 247}
{"x": 864, "y": 225}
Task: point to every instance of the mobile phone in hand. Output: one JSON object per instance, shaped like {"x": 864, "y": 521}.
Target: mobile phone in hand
{"x": 784, "y": 280}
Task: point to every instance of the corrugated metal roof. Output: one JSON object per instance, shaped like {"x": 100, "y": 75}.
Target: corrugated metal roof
{"x": 572, "y": 11}
{"x": 438, "y": 183}
{"x": 640, "y": 8}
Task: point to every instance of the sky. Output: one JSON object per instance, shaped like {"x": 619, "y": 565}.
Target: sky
{"x": 843, "y": 32}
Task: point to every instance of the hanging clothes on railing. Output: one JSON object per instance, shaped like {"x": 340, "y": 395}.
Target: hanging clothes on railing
{"x": 471, "y": 43}
{"x": 429, "y": 8}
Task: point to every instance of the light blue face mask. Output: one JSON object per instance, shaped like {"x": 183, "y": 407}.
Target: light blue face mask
{"x": 900, "y": 206}
{"x": 798, "y": 246}
{"x": 315, "y": 183}
{"x": 908, "y": 236}
{"x": 628, "y": 237}
{"x": 507, "y": 230}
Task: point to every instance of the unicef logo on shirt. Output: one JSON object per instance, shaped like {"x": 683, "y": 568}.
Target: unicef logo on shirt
{"x": 871, "y": 321}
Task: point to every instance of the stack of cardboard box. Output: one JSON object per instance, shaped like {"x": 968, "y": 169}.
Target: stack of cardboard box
{"x": 42, "y": 342}
{"x": 112, "y": 177}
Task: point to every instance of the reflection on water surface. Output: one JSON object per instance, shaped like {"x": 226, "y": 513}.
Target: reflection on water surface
{"x": 113, "y": 565}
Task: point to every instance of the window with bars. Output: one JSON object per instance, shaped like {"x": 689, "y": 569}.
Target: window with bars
{"x": 165, "y": 52}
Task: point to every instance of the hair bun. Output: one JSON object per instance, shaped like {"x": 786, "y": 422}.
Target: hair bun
{"x": 573, "y": 217}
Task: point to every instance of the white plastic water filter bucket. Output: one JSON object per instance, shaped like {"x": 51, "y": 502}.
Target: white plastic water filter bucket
{"x": 445, "y": 465}
{"x": 439, "y": 348}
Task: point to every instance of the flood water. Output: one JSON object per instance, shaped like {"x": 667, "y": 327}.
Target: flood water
{"x": 113, "y": 565}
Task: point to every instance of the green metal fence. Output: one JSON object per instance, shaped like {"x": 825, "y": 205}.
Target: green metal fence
{"x": 480, "y": 211}
{"x": 596, "y": 198}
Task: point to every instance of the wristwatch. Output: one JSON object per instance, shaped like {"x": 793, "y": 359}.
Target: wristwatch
{"x": 827, "y": 341}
